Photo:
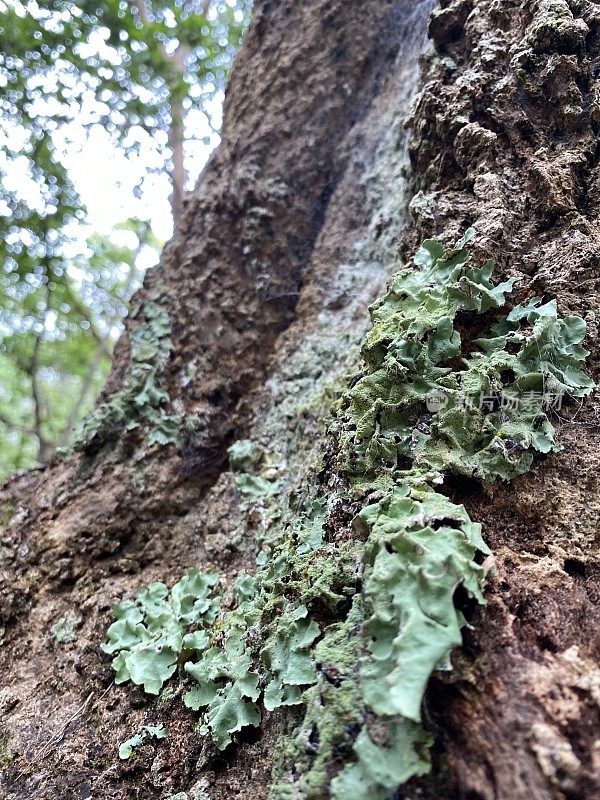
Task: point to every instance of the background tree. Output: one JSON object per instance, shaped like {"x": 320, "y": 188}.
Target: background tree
{"x": 133, "y": 69}
{"x": 58, "y": 339}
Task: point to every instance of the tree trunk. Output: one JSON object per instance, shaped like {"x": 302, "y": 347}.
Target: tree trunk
{"x": 177, "y": 172}
{"x": 250, "y": 327}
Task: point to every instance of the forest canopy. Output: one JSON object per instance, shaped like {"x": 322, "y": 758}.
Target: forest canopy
{"x": 135, "y": 70}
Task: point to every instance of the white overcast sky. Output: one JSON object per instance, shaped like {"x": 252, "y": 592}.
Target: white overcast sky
{"x": 103, "y": 175}
{"x": 106, "y": 178}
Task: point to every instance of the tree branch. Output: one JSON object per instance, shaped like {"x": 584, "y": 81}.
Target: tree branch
{"x": 85, "y": 313}
{"x": 101, "y": 351}
{"x": 75, "y": 412}
{"x": 140, "y": 6}
{"x": 44, "y": 446}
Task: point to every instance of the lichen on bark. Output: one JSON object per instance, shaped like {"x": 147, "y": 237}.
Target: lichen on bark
{"x": 504, "y": 139}
{"x": 413, "y": 546}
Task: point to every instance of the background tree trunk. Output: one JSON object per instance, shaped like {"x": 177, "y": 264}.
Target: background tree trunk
{"x": 298, "y": 220}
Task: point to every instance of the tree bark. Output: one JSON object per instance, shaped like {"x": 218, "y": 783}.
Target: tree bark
{"x": 313, "y": 199}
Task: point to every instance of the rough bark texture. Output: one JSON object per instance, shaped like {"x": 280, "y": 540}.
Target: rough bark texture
{"x": 505, "y": 139}
{"x": 295, "y": 225}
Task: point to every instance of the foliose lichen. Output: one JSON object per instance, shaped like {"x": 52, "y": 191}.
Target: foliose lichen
{"x": 149, "y": 634}
{"x": 143, "y": 396}
{"x": 453, "y": 382}
{"x": 349, "y": 632}
{"x": 428, "y": 400}
{"x": 126, "y": 749}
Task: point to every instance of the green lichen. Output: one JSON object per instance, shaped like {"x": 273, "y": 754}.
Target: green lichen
{"x": 454, "y": 381}
{"x": 260, "y": 478}
{"x": 6, "y": 756}
{"x": 427, "y": 402}
{"x": 400, "y": 753}
{"x": 6, "y": 514}
{"x": 227, "y": 687}
{"x": 260, "y": 650}
{"x": 63, "y": 631}
{"x": 143, "y": 397}
{"x": 373, "y": 668}
{"x": 258, "y": 473}
{"x": 333, "y": 713}
{"x": 420, "y": 549}
{"x": 126, "y": 749}
{"x": 244, "y": 454}
{"x": 288, "y": 658}
{"x": 403, "y": 426}
{"x": 149, "y": 633}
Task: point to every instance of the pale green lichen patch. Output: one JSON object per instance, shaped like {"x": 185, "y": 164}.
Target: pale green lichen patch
{"x": 149, "y": 634}
{"x": 454, "y": 381}
{"x": 401, "y": 752}
{"x": 333, "y": 714}
{"x": 373, "y": 668}
{"x": 433, "y": 399}
{"x": 126, "y": 749}
{"x": 64, "y": 629}
{"x": 244, "y": 454}
{"x": 288, "y": 658}
{"x": 429, "y": 402}
{"x": 143, "y": 397}
{"x": 421, "y": 548}
{"x": 227, "y": 687}
{"x": 258, "y": 474}
{"x": 262, "y": 650}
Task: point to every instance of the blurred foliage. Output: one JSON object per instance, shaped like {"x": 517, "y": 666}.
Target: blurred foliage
{"x": 124, "y": 66}
{"x": 58, "y": 326}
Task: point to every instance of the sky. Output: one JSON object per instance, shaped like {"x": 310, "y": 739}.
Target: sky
{"x": 106, "y": 178}
{"x": 114, "y": 186}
